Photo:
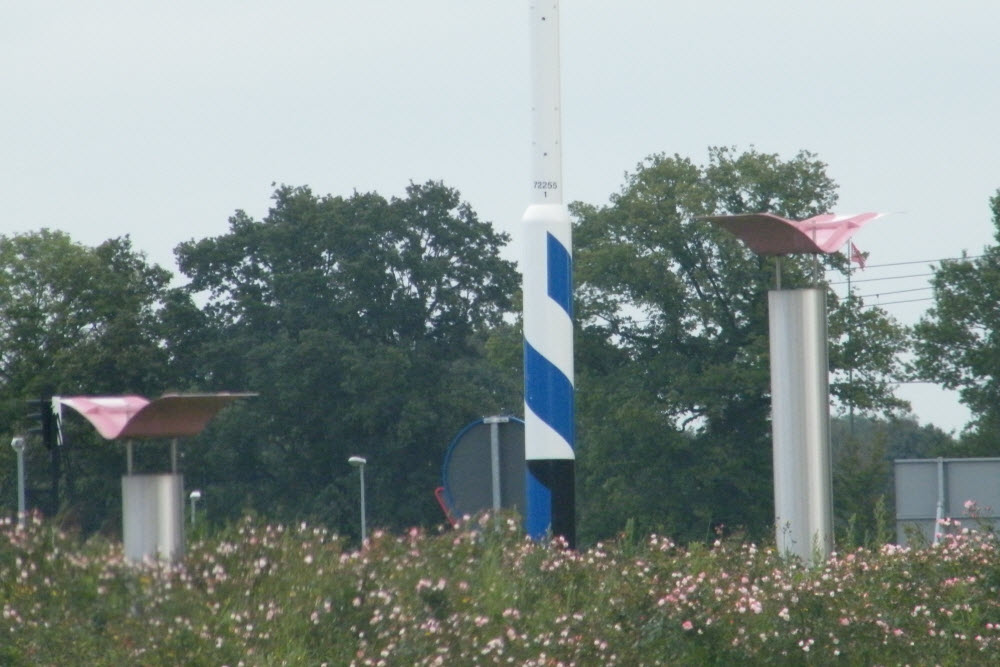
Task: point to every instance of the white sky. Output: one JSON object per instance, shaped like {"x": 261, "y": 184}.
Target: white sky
{"x": 160, "y": 119}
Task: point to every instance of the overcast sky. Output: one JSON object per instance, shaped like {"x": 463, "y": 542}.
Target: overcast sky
{"x": 159, "y": 120}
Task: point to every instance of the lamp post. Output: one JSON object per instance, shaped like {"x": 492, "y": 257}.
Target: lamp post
{"x": 19, "y": 443}
{"x": 195, "y": 496}
{"x": 359, "y": 462}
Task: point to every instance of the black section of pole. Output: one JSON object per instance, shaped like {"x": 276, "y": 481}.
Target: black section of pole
{"x": 559, "y": 477}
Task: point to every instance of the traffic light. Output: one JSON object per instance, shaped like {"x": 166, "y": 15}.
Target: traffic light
{"x": 41, "y": 416}
{"x": 43, "y": 421}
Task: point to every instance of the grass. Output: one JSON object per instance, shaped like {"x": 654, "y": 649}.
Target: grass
{"x": 260, "y": 594}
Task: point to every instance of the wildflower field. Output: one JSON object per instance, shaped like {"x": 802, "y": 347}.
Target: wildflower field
{"x": 258, "y": 594}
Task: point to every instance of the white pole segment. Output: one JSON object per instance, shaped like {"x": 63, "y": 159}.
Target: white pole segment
{"x": 546, "y": 136}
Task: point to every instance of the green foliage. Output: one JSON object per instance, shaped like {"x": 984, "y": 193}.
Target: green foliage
{"x": 864, "y": 449}
{"x": 365, "y": 326}
{"x": 672, "y": 351}
{"x": 860, "y": 480}
{"x": 78, "y": 320}
{"x": 381, "y": 326}
{"x": 957, "y": 340}
{"x": 865, "y": 351}
{"x": 268, "y": 594}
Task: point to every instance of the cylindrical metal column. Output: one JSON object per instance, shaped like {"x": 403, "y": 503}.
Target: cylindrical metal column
{"x": 153, "y": 516}
{"x": 800, "y": 420}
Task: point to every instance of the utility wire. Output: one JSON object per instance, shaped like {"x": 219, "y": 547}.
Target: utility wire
{"x": 922, "y": 261}
{"x": 892, "y": 303}
{"x": 914, "y": 275}
{"x": 898, "y": 291}
{"x": 872, "y": 280}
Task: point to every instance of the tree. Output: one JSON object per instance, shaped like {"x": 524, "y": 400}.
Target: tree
{"x": 864, "y": 449}
{"x": 74, "y": 320}
{"x": 673, "y": 359}
{"x": 363, "y": 323}
{"x": 958, "y": 340}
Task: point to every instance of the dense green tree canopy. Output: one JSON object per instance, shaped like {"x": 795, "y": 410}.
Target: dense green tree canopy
{"x": 362, "y": 323}
{"x": 79, "y": 320}
{"x": 958, "y": 340}
{"x": 672, "y": 352}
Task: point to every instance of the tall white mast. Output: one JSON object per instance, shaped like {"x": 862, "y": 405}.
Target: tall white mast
{"x": 548, "y": 300}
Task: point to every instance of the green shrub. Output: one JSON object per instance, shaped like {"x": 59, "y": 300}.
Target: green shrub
{"x": 261, "y": 594}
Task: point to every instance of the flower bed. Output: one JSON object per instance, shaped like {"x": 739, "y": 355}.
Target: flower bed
{"x": 258, "y": 594}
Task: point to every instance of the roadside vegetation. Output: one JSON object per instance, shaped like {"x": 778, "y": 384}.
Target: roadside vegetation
{"x": 256, "y": 593}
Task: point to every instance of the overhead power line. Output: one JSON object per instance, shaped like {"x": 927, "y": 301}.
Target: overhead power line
{"x": 912, "y": 275}
{"x": 922, "y": 261}
{"x": 898, "y": 291}
{"x": 872, "y": 280}
{"x": 892, "y": 303}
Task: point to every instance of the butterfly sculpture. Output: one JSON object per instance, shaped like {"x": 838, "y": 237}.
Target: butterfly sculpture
{"x": 170, "y": 416}
{"x": 769, "y": 234}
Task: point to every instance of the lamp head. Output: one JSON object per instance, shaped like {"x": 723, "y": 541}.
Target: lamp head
{"x": 357, "y": 461}
{"x": 195, "y": 495}
{"x": 18, "y": 443}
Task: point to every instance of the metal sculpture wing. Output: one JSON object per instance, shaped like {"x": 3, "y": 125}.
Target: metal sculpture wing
{"x": 769, "y": 234}
{"x": 170, "y": 416}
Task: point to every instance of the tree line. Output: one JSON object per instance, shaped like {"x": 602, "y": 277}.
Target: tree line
{"x": 381, "y": 326}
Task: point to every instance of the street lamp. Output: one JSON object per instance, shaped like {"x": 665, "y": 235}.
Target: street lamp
{"x": 19, "y": 443}
{"x": 195, "y": 496}
{"x": 359, "y": 462}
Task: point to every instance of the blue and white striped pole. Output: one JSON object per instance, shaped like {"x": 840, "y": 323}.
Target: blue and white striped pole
{"x": 548, "y": 294}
